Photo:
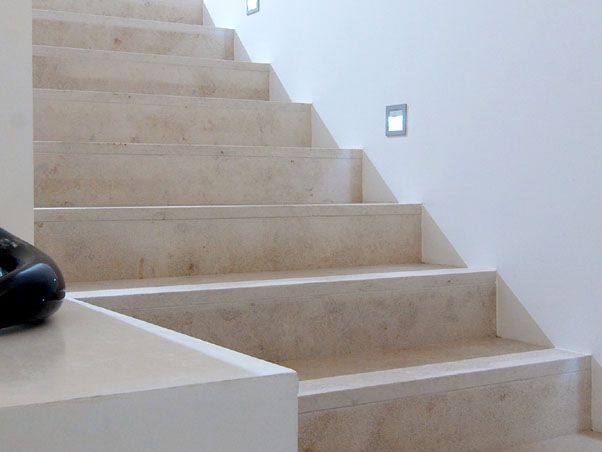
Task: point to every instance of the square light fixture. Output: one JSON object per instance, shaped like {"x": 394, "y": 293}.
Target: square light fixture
{"x": 252, "y": 7}
{"x": 397, "y": 120}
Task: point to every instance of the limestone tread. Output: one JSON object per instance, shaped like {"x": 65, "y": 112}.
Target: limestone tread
{"x": 66, "y": 214}
{"x": 130, "y": 22}
{"x": 191, "y": 14}
{"x": 312, "y": 369}
{"x": 99, "y": 148}
{"x": 90, "y": 31}
{"x": 348, "y": 381}
{"x": 371, "y": 274}
{"x": 162, "y": 99}
{"x": 115, "y": 56}
{"x": 579, "y": 442}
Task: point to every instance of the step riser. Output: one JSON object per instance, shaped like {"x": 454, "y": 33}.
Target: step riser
{"x": 491, "y": 417}
{"x": 134, "y": 179}
{"x": 214, "y": 43}
{"x": 185, "y": 11}
{"x": 118, "y": 75}
{"x": 332, "y": 319}
{"x": 131, "y": 249}
{"x": 63, "y": 117}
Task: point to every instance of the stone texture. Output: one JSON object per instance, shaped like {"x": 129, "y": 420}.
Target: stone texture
{"x": 141, "y": 118}
{"x": 99, "y": 70}
{"x": 186, "y": 11}
{"x": 422, "y": 355}
{"x": 294, "y": 321}
{"x": 402, "y": 358}
{"x": 475, "y": 419}
{"x": 81, "y": 353}
{"x": 578, "y": 442}
{"x": 52, "y": 28}
{"x": 190, "y": 284}
{"x": 104, "y": 244}
{"x": 108, "y": 174}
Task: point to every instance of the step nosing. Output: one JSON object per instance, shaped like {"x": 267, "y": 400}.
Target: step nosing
{"x": 183, "y": 150}
{"x": 303, "y": 410}
{"x": 381, "y": 386}
{"x": 104, "y": 97}
{"x": 110, "y": 300}
{"x": 49, "y": 51}
{"x": 327, "y": 284}
{"x": 189, "y": 213}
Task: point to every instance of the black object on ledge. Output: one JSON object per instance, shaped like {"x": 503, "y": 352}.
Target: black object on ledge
{"x": 32, "y": 287}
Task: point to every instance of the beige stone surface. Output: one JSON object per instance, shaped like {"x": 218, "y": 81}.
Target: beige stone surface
{"x": 81, "y": 353}
{"x": 578, "y": 442}
{"x": 183, "y": 290}
{"x": 373, "y": 361}
{"x": 111, "y": 174}
{"x": 495, "y": 366}
{"x": 209, "y": 214}
{"x": 101, "y": 70}
{"x": 141, "y": 118}
{"x": 481, "y": 418}
{"x": 186, "y": 11}
{"x": 128, "y": 243}
{"x": 297, "y": 321}
{"x": 51, "y": 28}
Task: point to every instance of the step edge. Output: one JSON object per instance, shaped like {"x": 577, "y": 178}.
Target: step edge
{"x": 200, "y": 150}
{"x": 49, "y": 51}
{"x": 319, "y": 286}
{"x": 105, "y": 97}
{"x": 126, "y": 22}
{"x": 179, "y": 213}
{"x": 347, "y": 391}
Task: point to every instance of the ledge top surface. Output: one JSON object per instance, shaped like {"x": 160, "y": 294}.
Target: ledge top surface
{"x": 84, "y": 352}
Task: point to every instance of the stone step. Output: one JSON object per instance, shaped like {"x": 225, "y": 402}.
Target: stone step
{"x": 586, "y": 441}
{"x": 282, "y": 316}
{"x": 479, "y": 395}
{"x": 115, "y": 174}
{"x": 92, "y": 244}
{"x": 184, "y": 11}
{"x": 87, "y": 116}
{"x": 85, "y": 31}
{"x": 102, "y": 70}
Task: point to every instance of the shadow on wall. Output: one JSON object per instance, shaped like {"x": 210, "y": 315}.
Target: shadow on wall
{"x": 436, "y": 247}
{"x": 514, "y": 321}
{"x": 207, "y": 19}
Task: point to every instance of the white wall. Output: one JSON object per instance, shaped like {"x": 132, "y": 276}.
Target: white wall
{"x": 505, "y": 129}
{"x": 16, "y": 160}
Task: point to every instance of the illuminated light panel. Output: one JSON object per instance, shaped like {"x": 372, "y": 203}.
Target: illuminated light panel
{"x": 397, "y": 120}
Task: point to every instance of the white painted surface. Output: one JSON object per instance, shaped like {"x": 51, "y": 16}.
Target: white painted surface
{"x": 504, "y": 145}
{"x": 16, "y": 155}
{"x": 93, "y": 380}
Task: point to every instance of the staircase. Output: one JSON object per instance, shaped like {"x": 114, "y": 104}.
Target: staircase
{"x": 170, "y": 188}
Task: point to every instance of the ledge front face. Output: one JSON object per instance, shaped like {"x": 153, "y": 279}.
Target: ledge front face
{"x": 87, "y": 367}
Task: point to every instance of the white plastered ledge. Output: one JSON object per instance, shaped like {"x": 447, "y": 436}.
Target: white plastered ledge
{"x": 90, "y": 379}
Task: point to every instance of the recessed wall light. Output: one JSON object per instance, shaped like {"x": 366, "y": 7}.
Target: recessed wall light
{"x": 397, "y": 120}
{"x": 252, "y": 7}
